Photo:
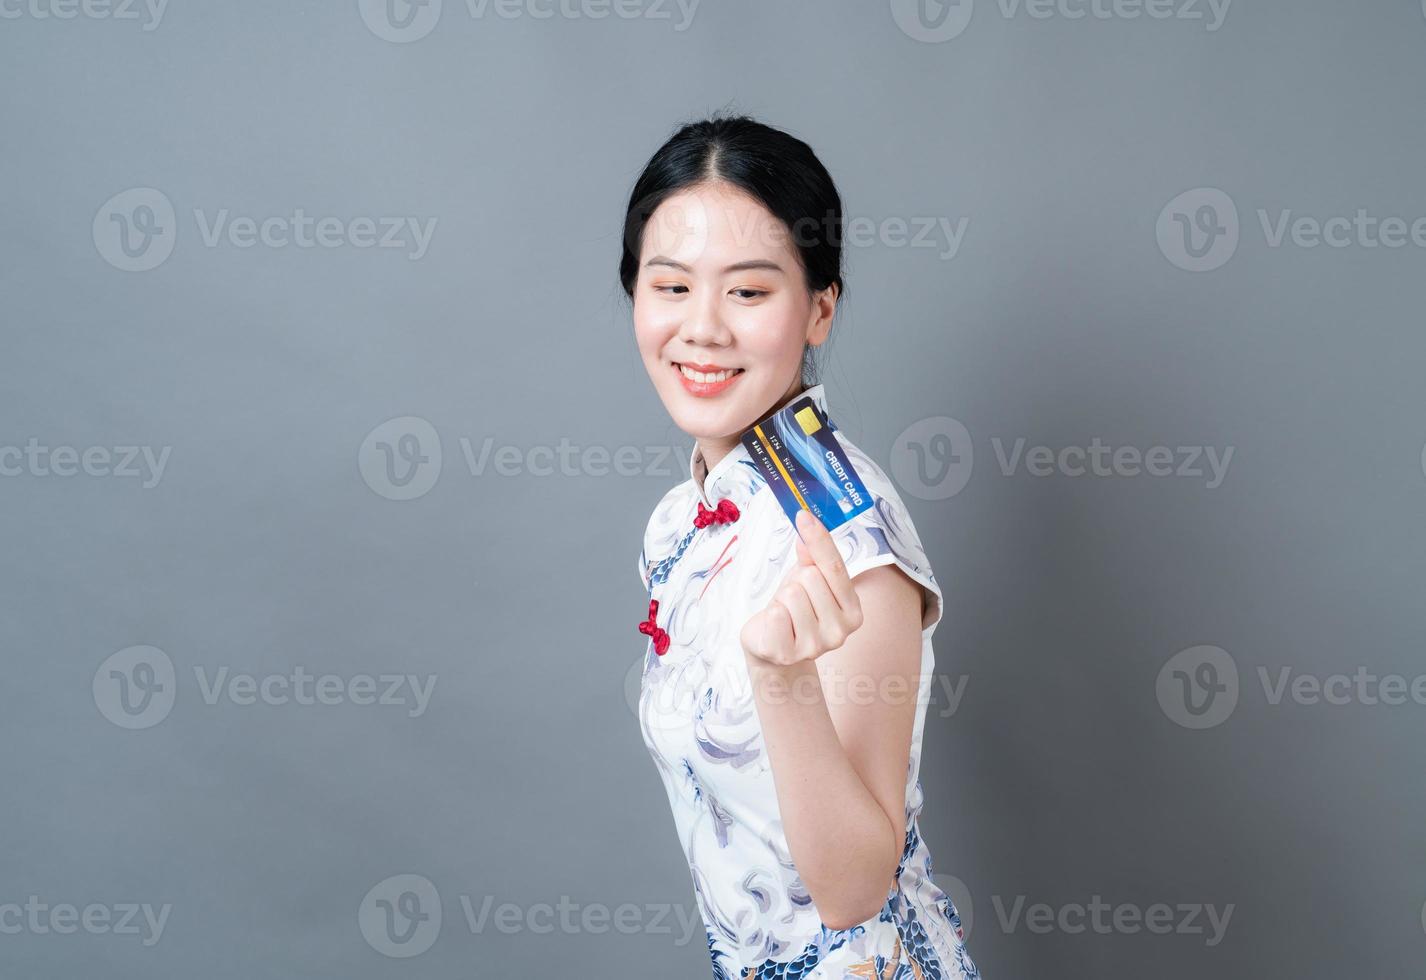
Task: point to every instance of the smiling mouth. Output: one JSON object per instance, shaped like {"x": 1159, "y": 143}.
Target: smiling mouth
{"x": 706, "y": 377}
{"x": 706, "y": 380}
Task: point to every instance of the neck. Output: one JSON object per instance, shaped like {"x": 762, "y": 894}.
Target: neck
{"x": 714, "y": 449}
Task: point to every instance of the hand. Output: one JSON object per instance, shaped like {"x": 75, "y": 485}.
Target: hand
{"x": 815, "y": 608}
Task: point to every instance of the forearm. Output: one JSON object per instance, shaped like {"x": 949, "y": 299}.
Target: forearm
{"x": 845, "y": 848}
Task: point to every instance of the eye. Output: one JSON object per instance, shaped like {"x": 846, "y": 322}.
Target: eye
{"x": 669, "y": 289}
{"x": 750, "y": 293}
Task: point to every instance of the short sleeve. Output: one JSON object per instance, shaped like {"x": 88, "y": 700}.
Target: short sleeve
{"x": 883, "y": 534}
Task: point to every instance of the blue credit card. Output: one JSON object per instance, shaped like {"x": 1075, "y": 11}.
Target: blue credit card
{"x": 798, "y": 454}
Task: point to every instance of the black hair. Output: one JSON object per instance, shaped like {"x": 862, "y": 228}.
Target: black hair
{"x": 775, "y": 168}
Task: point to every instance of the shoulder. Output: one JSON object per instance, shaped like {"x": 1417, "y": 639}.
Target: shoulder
{"x": 666, "y": 523}
{"x": 668, "y": 512}
{"x": 884, "y": 534}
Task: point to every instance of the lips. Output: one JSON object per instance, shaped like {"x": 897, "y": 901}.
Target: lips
{"x": 705, "y": 380}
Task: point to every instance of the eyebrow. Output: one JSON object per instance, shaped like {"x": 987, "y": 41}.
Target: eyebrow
{"x": 735, "y": 267}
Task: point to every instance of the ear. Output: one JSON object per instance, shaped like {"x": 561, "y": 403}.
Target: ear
{"x": 819, "y": 324}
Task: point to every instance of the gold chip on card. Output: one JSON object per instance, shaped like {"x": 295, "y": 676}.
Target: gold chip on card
{"x": 807, "y": 418}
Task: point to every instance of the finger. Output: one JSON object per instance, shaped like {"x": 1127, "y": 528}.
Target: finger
{"x": 825, "y": 555}
{"x": 768, "y": 634}
{"x": 777, "y": 632}
{"x": 831, "y": 619}
{"x": 806, "y": 632}
{"x": 804, "y": 557}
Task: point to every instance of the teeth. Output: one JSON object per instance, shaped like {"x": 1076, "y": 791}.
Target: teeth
{"x": 702, "y": 378}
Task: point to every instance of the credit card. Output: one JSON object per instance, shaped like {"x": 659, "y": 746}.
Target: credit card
{"x": 798, "y": 454}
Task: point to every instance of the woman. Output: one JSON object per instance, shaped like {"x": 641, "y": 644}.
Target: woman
{"x": 788, "y": 668}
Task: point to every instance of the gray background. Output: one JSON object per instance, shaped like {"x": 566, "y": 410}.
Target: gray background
{"x": 272, "y": 539}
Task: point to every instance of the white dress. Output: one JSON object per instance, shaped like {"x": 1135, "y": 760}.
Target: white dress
{"x": 700, "y": 723}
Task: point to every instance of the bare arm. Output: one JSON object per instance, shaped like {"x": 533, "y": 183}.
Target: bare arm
{"x": 835, "y": 666}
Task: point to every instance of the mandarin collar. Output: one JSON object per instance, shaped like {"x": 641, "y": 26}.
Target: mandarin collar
{"x": 736, "y": 476}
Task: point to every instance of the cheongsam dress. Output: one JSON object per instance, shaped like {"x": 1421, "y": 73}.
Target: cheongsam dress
{"x": 713, "y": 556}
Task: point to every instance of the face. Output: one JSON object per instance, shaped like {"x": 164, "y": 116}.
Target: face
{"x": 721, "y": 310}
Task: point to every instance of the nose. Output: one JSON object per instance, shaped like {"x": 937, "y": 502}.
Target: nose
{"x": 703, "y": 326}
